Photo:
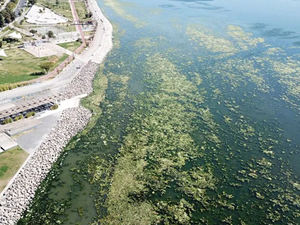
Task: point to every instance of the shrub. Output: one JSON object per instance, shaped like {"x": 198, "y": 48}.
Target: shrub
{"x": 33, "y": 31}
{"x": 19, "y": 117}
{"x": 46, "y": 65}
{"x": 54, "y": 107}
{"x": 29, "y": 114}
{"x": 8, "y": 120}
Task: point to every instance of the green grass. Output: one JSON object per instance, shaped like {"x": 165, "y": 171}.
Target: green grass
{"x": 20, "y": 66}
{"x": 71, "y": 46}
{"x": 10, "y": 162}
{"x": 81, "y": 10}
{"x": 3, "y": 170}
{"x": 61, "y": 59}
{"x": 6, "y": 45}
{"x": 63, "y": 8}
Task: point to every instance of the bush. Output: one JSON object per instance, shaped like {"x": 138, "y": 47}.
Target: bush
{"x": 50, "y": 34}
{"x": 32, "y": 2}
{"x": 10, "y": 6}
{"x": 46, "y": 65}
{"x": 19, "y": 117}
{"x": 6, "y": 87}
{"x": 29, "y": 114}
{"x": 10, "y": 40}
{"x": 8, "y": 120}
{"x": 88, "y": 15}
{"x": 33, "y": 31}
{"x": 54, "y": 107}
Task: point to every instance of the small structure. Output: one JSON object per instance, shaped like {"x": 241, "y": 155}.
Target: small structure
{"x": 2, "y": 53}
{"x": 6, "y": 142}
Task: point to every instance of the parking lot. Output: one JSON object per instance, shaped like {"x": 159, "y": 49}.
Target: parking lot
{"x": 24, "y": 107}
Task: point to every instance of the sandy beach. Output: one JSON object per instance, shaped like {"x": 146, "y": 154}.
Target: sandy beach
{"x": 17, "y": 195}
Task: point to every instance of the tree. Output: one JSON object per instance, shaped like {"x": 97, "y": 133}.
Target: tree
{"x": 10, "y": 6}
{"x": 32, "y": 2}
{"x": 46, "y": 66}
{"x": 88, "y": 15}
{"x": 1, "y": 44}
{"x": 57, "y": 2}
{"x": 6, "y": 15}
{"x": 12, "y": 15}
{"x": 50, "y": 34}
{"x": 33, "y": 31}
{"x": 1, "y": 21}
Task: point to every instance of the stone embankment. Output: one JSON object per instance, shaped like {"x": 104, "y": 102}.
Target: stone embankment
{"x": 82, "y": 82}
{"x": 21, "y": 190}
{"x": 20, "y": 193}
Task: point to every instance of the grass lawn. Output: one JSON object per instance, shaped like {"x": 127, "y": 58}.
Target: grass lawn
{"x": 71, "y": 46}
{"x": 20, "y": 66}
{"x": 14, "y": 43}
{"x": 81, "y": 10}
{"x": 10, "y": 162}
{"x": 88, "y": 33}
{"x": 63, "y": 8}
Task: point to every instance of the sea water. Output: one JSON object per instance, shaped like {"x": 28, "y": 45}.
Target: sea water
{"x": 199, "y": 122}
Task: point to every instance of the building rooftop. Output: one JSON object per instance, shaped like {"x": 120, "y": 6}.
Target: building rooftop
{"x": 27, "y": 105}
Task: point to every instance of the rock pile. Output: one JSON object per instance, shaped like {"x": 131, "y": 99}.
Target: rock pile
{"x": 82, "y": 82}
{"x": 18, "y": 196}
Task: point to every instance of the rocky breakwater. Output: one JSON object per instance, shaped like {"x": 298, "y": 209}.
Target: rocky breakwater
{"x": 19, "y": 194}
{"x": 17, "y": 197}
{"x": 82, "y": 82}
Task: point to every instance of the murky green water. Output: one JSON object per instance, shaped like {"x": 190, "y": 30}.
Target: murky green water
{"x": 199, "y": 125}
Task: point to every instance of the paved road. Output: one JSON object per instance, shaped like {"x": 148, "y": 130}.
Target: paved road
{"x": 102, "y": 42}
{"x": 21, "y": 4}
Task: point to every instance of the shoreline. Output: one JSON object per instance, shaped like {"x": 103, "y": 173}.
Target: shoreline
{"x": 17, "y": 195}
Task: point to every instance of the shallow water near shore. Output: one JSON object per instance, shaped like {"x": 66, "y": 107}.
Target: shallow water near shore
{"x": 199, "y": 125}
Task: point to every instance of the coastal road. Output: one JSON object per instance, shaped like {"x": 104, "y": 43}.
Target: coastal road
{"x": 102, "y": 42}
{"x": 96, "y": 52}
{"x": 52, "y": 86}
